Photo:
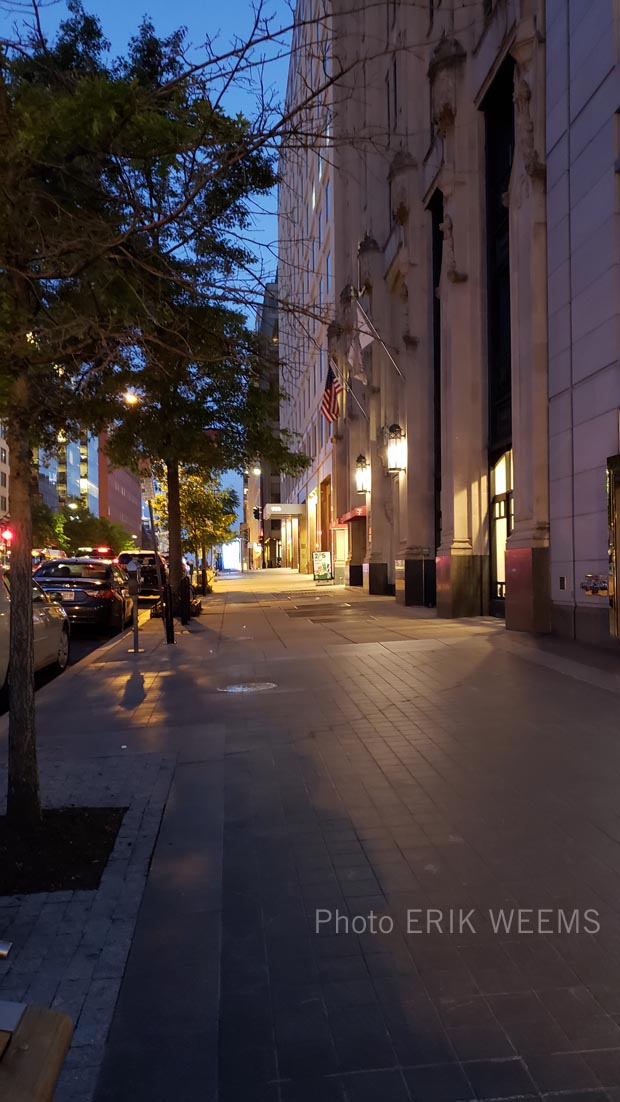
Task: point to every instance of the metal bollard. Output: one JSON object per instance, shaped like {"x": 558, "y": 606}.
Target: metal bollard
{"x": 133, "y": 586}
{"x": 168, "y": 613}
{"x": 185, "y": 601}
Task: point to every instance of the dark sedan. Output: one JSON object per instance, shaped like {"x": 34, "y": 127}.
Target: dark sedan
{"x": 90, "y": 591}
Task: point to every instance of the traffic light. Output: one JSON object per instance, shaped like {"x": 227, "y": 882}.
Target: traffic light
{"x": 256, "y": 512}
{"x": 7, "y": 534}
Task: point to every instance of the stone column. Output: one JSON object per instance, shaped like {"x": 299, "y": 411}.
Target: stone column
{"x": 462, "y": 558}
{"x": 527, "y": 554}
{"x": 377, "y": 568}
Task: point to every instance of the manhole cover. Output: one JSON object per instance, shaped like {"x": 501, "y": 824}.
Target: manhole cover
{"x": 249, "y": 687}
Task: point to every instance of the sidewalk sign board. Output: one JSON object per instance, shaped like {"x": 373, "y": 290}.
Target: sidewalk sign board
{"x": 322, "y": 566}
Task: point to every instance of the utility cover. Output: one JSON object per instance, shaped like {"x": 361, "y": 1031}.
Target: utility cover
{"x": 249, "y": 687}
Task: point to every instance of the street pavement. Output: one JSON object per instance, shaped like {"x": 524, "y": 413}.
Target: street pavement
{"x": 389, "y": 872}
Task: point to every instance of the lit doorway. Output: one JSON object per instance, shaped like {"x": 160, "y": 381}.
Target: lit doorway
{"x": 502, "y": 523}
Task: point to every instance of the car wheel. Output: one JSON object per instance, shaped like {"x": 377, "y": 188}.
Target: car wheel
{"x": 62, "y": 658}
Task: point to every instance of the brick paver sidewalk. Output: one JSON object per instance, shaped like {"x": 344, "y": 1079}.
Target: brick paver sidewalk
{"x": 332, "y": 910}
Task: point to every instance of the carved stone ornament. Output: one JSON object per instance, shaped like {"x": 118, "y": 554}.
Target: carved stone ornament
{"x": 445, "y": 62}
{"x": 401, "y": 162}
{"x": 452, "y": 274}
{"x": 525, "y": 129}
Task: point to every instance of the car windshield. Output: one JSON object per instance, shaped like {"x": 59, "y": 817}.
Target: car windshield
{"x": 96, "y": 570}
{"x": 144, "y": 560}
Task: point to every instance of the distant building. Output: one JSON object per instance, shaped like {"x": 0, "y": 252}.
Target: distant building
{"x": 261, "y": 484}
{"x": 119, "y": 495}
{"x": 71, "y": 476}
{"x": 306, "y": 292}
{"x": 79, "y": 474}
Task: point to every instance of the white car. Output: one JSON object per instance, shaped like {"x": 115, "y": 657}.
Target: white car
{"x": 51, "y": 631}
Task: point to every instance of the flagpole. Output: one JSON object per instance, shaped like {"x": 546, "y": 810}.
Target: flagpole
{"x": 347, "y": 386}
{"x": 380, "y": 339}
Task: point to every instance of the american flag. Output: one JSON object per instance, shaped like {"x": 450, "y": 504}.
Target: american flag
{"x": 329, "y": 402}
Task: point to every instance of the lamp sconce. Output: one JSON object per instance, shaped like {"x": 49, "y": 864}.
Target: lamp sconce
{"x": 396, "y": 450}
{"x": 362, "y": 475}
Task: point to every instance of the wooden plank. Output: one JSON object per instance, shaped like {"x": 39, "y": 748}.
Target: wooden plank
{"x": 32, "y": 1062}
{"x": 4, "y": 1040}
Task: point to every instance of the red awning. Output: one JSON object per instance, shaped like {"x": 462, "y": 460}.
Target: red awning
{"x": 355, "y": 514}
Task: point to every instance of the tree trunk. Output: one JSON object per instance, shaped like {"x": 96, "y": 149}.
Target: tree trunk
{"x": 174, "y": 528}
{"x": 23, "y": 800}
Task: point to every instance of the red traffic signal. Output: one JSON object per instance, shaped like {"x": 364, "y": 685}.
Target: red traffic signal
{"x": 7, "y": 534}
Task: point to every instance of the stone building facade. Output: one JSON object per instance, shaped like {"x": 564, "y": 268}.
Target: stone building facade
{"x": 306, "y": 292}
{"x": 473, "y": 162}
{"x": 439, "y": 235}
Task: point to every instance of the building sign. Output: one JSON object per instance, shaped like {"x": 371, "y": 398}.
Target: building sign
{"x": 147, "y": 489}
{"x": 322, "y": 566}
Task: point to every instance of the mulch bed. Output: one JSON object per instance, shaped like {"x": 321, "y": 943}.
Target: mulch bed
{"x": 67, "y": 851}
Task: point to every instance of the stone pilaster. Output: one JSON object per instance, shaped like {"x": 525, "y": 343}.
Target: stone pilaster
{"x": 462, "y": 558}
{"x": 527, "y": 553}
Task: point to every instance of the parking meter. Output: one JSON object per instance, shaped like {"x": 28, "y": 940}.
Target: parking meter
{"x": 133, "y": 585}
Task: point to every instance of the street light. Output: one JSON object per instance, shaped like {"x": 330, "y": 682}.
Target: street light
{"x": 256, "y": 471}
{"x": 362, "y": 475}
{"x": 396, "y": 450}
{"x": 131, "y": 398}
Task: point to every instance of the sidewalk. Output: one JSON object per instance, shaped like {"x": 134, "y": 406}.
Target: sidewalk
{"x": 417, "y": 770}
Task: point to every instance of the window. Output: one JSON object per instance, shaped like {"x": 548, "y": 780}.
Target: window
{"x": 320, "y": 229}
{"x": 3, "y": 504}
{"x": 328, "y": 273}
{"x": 320, "y": 292}
{"x": 327, "y": 201}
{"x": 391, "y": 93}
{"x": 321, "y": 363}
{"x": 394, "y": 92}
{"x": 314, "y": 379}
{"x": 2, "y": 455}
{"x": 3, "y": 478}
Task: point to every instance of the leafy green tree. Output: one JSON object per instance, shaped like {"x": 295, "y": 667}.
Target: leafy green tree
{"x": 82, "y": 529}
{"x": 208, "y": 513}
{"x": 108, "y": 172}
{"x": 201, "y": 406}
{"x": 47, "y": 526}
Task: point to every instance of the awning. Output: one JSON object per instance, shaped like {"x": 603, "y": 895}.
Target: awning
{"x": 276, "y": 510}
{"x": 355, "y": 514}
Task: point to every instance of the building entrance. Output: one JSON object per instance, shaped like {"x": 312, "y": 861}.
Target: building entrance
{"x": 502, "y": 522}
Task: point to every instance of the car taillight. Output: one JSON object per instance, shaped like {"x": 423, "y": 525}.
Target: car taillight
{"x": 107, "y": 594}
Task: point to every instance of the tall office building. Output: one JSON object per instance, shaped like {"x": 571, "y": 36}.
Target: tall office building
{"x": 306, "y": 293}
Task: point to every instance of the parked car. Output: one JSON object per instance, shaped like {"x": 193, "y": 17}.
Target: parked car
{"x": 50, "y": 628}
{"x": 149, "y": 585}
{"x": 42, "y": 554}
{"x": 95, "y": 553}
{"x": 91, "y": 591}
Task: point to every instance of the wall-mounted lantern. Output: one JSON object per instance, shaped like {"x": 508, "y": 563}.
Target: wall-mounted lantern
{"x": 362, "y": 475}
{"x": 396, "y": 450}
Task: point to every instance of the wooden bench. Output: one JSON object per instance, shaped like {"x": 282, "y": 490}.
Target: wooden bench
{"x": 33, "y": 1046}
